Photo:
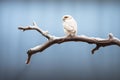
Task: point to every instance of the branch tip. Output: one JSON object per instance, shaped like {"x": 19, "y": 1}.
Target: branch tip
{"x": 29, "y": 57}
{"x": 21, "y": 28}
{"x": 95, "y": 49}
{"x": 110, "y": 35}
{"x": 34, "y": 23}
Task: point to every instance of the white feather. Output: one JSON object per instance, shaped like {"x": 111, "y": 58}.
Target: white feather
{"x": 70, "y": 25}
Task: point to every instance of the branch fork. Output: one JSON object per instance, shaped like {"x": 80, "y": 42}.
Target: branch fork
{"x": 111, "y": 40}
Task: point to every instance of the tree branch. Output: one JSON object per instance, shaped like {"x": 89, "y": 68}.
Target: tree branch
{"x": 111, "y": 40}
{"x": 35, "y": 27}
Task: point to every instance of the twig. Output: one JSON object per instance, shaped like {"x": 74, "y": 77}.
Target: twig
{"x": 35, "y": 27}
{"x": 111, "y": 40}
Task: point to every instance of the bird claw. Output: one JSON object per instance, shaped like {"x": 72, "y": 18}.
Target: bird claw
{"x": 70, "y": 35}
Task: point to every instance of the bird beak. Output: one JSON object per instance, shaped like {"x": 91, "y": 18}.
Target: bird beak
{"x": 63, "y": 19}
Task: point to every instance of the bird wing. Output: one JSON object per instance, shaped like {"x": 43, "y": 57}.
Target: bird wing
{"x": 67, "y": 27}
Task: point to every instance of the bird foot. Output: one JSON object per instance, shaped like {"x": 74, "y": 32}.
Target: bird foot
{"x": 70, "y": 35}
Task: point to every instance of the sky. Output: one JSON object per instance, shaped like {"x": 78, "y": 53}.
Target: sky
{"x": 66, "y": 61}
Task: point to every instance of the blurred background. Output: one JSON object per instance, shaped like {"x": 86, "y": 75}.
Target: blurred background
{"x": 67, "y": 61}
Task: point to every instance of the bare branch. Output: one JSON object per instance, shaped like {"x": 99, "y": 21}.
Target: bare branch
{"x": 111, "y": 40}
{"x": 35, "y": 27}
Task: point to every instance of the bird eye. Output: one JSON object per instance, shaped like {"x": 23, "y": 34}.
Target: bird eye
{"x": 66, "y": 17}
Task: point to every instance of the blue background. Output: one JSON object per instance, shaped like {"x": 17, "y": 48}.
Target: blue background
{"x": 67, "y": 61}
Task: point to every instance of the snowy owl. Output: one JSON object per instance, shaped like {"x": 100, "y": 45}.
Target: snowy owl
{"x": 69, "y": 25}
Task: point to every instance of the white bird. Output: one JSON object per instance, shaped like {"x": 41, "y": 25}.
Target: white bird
{"x": 69, "y": 25}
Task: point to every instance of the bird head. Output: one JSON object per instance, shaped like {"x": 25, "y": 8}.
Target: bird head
{"x": 66, "y": 17}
